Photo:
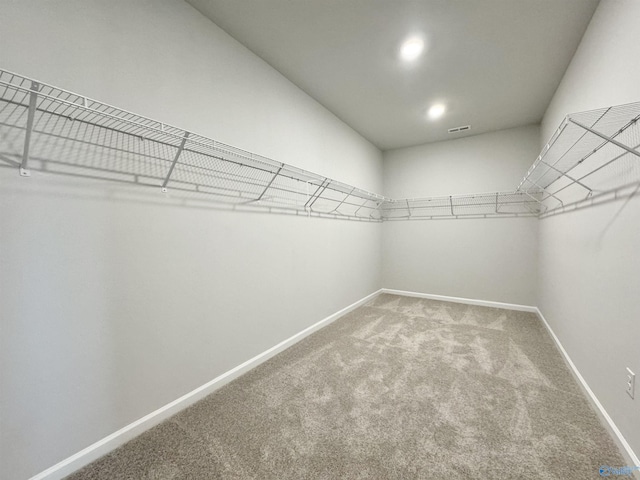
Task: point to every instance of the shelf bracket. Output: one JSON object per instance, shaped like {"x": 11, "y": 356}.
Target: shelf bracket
{"x": 343, "y": 200}
{"x": 323, "y": 186}
{"x": 408, "y": 207}
{"x": 564, "y": 174}
{"x": 496, "y": 202}
{"x": 33, "y": 102}
{"x": 451, "y": 205}
{"x": 606, "y": 137}
{"x": 268, "y": 185}
{"x": 355, "y": 214}
{"x": 175, "y": 160}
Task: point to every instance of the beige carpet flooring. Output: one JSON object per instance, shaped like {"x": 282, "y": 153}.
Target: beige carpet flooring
{"x": 401, "y": 388}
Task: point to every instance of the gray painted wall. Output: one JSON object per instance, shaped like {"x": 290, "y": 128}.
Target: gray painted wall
{"x": 589, "y": 284}
{"x": 487, "y": 259}
{"x": 115, "y": 301}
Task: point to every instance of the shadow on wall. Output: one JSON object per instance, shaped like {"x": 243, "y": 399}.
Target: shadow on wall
{"x": 626, "y": 192}
{"x": 67, "y": 185}
{"x": 96, "y": 188}
{"x": 628, "y": 197}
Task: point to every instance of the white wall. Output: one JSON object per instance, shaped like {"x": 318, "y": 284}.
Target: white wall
{"x": 589, "y": 280}
{"x": 113, "y": 306}
{"x": 490, "y": 162}
{"x": 487, "y": 259}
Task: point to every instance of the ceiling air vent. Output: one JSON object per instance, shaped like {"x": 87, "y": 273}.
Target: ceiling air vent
{"x": 464, "y": 128}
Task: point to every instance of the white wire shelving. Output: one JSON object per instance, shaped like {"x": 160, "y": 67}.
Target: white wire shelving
{"x": 591, "y": 155}
{"x": 479, "y": 205}
{"x": 52, "y": 130}
{"x": 49, "y": 129}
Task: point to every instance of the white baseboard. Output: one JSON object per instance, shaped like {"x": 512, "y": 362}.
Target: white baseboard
{"x": 116, "y": 439}
{"x": 470, "y": 301}
{"x": 632, "y": 455}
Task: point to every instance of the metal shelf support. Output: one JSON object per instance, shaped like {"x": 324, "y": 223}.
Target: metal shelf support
{"x": 275, "y": 175}
{"x": 360, "y": 207}
{"x": 549, "y": 195}
{"x": 33, "y": 101}
{"x": 564, "y": 174}
{"x": 347, "y": 195}
{"x": 319, "y": 191}
{"x": 175, "y": 160}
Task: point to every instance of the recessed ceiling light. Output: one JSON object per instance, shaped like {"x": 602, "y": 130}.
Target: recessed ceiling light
{"x": 436, "y": 111}
{"x": 411, "y": 49}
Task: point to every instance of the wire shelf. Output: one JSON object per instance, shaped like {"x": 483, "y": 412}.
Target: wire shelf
{"x": 590, "y": 153}
{"x": 48, "y": 129}
{"x": 52, "y": 130}
{"x": 479, "y": 205}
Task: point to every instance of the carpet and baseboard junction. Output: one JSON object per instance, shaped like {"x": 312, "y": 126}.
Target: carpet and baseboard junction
{"x": 398, "y": 388}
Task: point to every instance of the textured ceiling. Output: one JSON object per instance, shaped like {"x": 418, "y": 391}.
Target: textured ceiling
{"x": 494, "y": 63}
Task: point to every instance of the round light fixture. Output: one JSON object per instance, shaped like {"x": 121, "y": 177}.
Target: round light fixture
{"x": 436, "y": 111}
{"x": 411, "y": 49}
